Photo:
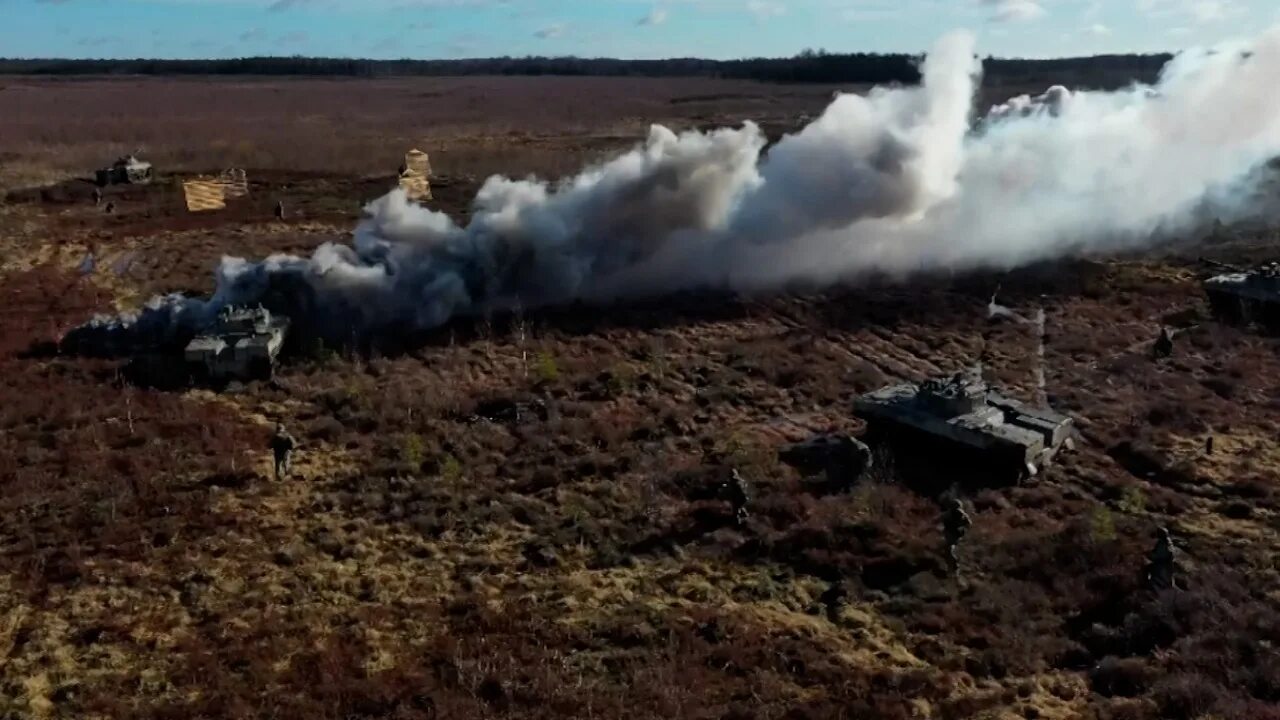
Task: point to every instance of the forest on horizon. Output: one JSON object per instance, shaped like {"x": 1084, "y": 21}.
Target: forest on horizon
{"x": 809, "y": 66}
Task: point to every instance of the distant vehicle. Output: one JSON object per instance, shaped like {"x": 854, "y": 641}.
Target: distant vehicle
{"x": 241, "y": 345}
{"x": 128, "y": 170}
{"x": 1244, "y": 296}
{"x": 959, "y": 425}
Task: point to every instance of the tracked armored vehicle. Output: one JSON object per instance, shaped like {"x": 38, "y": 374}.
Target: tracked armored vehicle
{"x": 1245, "y": 296}
{"x": 958, "y": 430}
{"x": 128, "y": 170}
{"x": 241, "y": 345}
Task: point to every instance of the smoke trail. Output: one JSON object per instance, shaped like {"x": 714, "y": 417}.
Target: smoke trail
{"x": 893, "y": 182}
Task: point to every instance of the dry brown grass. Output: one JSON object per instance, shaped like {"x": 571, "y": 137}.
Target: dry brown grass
{"x": 516, "y": 126}
{"x": 440, "y": 555}
{"x": 549, "y": 126}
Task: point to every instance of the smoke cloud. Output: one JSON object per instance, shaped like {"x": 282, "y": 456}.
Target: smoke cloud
{"x": 894, "y": 182}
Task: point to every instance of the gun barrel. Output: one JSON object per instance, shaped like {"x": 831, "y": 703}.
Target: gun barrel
{"x": 1221, "y": 265}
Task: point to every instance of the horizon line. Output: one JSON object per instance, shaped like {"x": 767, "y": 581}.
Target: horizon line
{"x": 594, "y": 58}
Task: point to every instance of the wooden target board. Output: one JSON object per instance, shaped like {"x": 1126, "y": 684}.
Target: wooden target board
{"x": 416, "y": 162}
{"x": 235, "y": 183}
{"x": 416, "y": 187}
{"x": 204, "y": 195}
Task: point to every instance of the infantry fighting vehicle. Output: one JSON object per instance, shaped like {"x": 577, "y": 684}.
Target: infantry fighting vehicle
{"x": 958, "y": 427}
{"x": 242, "y": 344}
{"x": 1244, "y": 296}
{"x": 128, "y": 170}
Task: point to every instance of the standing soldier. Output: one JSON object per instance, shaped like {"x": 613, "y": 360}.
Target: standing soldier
{"x": 1163, "y": 347}
{"x": 955, "y": 524}
{"x": 1161, "y": 561}
{"x": 739, "y": 495}
{"x": 280, "y": 210}
{"x": 282, "y": 445}
{"x": 97, "y": 196}
{"x": 1208, "y": 445}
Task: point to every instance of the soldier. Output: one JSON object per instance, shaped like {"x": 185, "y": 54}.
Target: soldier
{"x": 97, "y": 197}
{"x": 1161, "y": 561}
{"x": 282, "y": 445}
{"x": 739, "y": 495}
{"x": 280, "y": 210}
{"x": 111, "y": 207}
{"x": 843, "y": 458}
{"x": 1163, "y": 347}
{"x": 955, "y": 524}
{"x": 1208, "y": 445}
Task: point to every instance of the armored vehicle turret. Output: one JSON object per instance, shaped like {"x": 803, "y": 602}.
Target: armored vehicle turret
{"x": 128, "y": 170}
{"x": 242, "y": 344}
{"x": 1245, "y": 296}
{"x": 961, "y": 426}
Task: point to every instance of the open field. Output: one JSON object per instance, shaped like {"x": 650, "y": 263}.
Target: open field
{"x": 550, "y": 126}
{"x": 486, "y": 125}
{"x": 518, "y": 517}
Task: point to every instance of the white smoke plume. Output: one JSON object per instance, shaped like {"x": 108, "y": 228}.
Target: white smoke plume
{"x": 898, "y": 181}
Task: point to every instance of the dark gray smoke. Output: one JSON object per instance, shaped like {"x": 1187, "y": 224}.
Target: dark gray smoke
{"x": 893, "y": 182}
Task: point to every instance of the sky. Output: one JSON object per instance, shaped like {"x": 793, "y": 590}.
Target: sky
{"x": 610, "y": 28}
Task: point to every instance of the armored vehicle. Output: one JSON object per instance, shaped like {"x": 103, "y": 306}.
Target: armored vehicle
{"x": 960, "y": 425}
{"x": 128, "y": 170}
{"x": 1245, "y": 296}
{"x": 242, "y": 344}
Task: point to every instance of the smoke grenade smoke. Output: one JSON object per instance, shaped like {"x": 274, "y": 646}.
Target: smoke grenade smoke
{"x": 899, "y": 180}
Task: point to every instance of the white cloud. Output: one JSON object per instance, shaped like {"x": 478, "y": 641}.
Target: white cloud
{"x": 1099, "y": 30}
{"x": 554, "y": 30}
{"x": 656, "y": 16}
{"x": 1014, "y": 10}
{"x": 1205, "y": 11}
{"x": 765, "y": 9}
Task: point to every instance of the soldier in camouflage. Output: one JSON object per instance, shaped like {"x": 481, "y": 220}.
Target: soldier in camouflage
{"x": 1163, "y": 347}
{"x": 282, "y": 446}
{"x": 1162, "y": 562}
{"x": 739, "y": 494}
{"x": 842, "y": 458}
{"x": 955, "y": 524}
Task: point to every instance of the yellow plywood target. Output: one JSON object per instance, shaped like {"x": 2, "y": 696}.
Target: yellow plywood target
{"x": 204, "y": 195}
{"x": 416, "y": 187}
{"x": 416, "y": 162}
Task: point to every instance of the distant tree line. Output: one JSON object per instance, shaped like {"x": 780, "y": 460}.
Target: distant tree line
{"x": 810, "y": 66}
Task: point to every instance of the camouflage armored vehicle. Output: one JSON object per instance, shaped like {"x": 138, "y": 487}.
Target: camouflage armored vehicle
{"x": 960, "y": 426}
{"x": 242, "y": 344}
{"x": 128, "y": 170}
{"x": 1245, "y": 296}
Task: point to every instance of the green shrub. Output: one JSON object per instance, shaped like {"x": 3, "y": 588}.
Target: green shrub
{"x": 546, "y": 368}
{"x": 451, "y": 468}
{"x": 413, "y": 449}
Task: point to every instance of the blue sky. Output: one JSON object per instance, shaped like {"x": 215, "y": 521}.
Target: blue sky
{"x": 616, "y": 28}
